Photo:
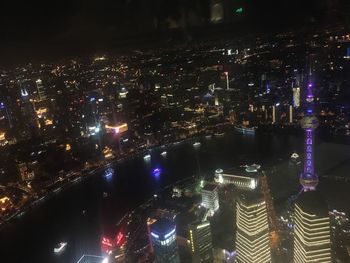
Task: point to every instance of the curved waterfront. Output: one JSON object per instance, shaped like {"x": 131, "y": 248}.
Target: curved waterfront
{"x": 62, "y": 218}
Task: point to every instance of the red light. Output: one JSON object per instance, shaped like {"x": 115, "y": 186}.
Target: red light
{"x": 120, "y": 237}
{"x": 106, "y": 242}
{"x": 226, "y": 73}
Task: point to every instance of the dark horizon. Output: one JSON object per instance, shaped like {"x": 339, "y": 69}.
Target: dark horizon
{"x": 46, "y": 31}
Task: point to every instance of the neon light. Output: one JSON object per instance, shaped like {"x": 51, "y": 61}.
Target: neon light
{"x": 24, "y": 92}
{"x": 119, "y": 238}
{"x": 107, "y": 242}
{"x": 239, "y": 10}
{"x": 154, "y": 235}
{"x": 170, "y": 233}
{"x": 156, "y": 172}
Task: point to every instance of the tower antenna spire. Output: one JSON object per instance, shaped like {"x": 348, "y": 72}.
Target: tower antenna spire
{"x": 308, "y": 178}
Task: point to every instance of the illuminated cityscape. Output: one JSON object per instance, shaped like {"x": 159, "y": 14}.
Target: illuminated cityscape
{"x": 205, "y": 131}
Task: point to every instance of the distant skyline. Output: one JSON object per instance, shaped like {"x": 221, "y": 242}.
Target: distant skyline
{"x": 45, "y": 29}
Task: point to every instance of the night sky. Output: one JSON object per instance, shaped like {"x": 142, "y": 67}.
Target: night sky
{"x": 32, "y": 30}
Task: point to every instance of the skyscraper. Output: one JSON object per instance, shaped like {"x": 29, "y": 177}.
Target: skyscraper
{"x": 201, "y": 242}
{"x": 40, "y": 90}
{"x": 210, "y": 197}
{"x": 163, "y": 235}
{"x": 296, "y": 97}
{"x": 252, "y": 236}
{"x": 312, "y": 229}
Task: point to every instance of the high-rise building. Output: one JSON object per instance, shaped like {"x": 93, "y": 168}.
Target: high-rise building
{"x": 273, "y": 114}
{"x": 312, "y": 241}
{"x": 252, "y": 236}
{"x": 163, "y": 236}
{"x": 40, "y": 90}
{"x": 296, "y": 97}
{"x": 201, "y": 242}
{"x": 210, "y": 197}
{"x": 156, "y": 215}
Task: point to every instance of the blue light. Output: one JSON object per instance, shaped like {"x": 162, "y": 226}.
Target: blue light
{"x": 109, "y": 173}
{"x": 2, "y": 105}
{"x": 309, "y": 111}
{"x": 169, "y": 234}
{"x": 92, "y": 99}
{"x": 154, "y": 235}
{"x": 156, "y": 172}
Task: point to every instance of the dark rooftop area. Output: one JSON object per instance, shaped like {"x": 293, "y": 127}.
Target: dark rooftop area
{"x": 313, "y": 202}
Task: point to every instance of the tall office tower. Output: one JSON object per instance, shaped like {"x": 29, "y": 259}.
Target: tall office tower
{"x": 163, "y": 235}
{"x": 252, "y": 236}
{"x": 27, "y": 109}
{"x": 40, "y": 89}
{"x": 309, "y": 123}
{"x": 210, "y": 197}
{"x": 201, "y": 242}
{"x": 296, "y": 97}
{"x": 156, "y": 215}
{"x": 273, "y": 114}
{"x": 312, "y": 241}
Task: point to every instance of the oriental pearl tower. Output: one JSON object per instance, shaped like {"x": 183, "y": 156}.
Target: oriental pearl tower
{"x": 308, "y": 178}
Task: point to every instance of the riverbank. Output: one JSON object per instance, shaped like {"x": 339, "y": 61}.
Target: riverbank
{"x": 74, "y": 177}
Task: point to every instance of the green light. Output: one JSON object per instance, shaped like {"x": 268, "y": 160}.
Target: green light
{"x": 239, "y": 10}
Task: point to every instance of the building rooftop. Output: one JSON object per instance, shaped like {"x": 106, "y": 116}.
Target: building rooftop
{"x": 251, "y": 197}
{"x": 162, "y": 226}
{"x": 246, "y": 170}
{"x": 210, "y": 187}
{"x": 313, "y": 202}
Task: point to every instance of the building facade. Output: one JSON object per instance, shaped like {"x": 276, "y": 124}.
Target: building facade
{"x": 312, "y": 240}
{"x": 210, "y": 198}
{"x": 201, "y": 242}
{"x": 252, "y": 236}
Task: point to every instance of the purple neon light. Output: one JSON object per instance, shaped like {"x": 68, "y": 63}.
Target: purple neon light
{"x": 308, "y": 164}
{"x": 308, "y": 178}
{"x": 156, "y": 172}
